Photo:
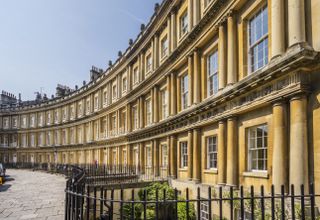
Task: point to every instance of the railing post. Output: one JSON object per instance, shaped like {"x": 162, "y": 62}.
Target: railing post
{"x": 302, "y": 198}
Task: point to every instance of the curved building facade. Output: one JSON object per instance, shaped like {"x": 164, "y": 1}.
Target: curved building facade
{"x": 211, "y": 92}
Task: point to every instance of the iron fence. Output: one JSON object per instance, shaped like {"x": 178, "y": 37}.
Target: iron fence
{"x": 102, "y": 202}
{"x": 95, "y": 202}
{"x": 103, "y": 192}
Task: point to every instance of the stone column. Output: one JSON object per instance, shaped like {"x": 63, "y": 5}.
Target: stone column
{"x": 173, "y": 94}
{"x": 156, "y": 52}
{"x": 173, "y": 157}
{"x": 156, "y": 155}
{"x": 203, "y": 78}
{"x": 298, "y": 142}
{"x": 222, "y": 58}
{"x": 173, "y": 30}
{"x": 169, "y": 34}
{"x": 277, "y": 28}
{"x": 232, "y": 152}
{"x": 279, "y": 154}
{"x": 196, "y": 155}
{"x": 128, "y": 118}
{"x": 141, "y": 111}
{"x": 190, "y": 80}
{"x": 232, "y": 51}
{"x": 196, "y": 12}
{"x": 169, "y": 93}
{"x": 222, "y": 153}
{"x": 141, "y": 158}
{"x": 296, "y": 22}
{"x": 156, "y": 104}
{"x": 196, "y": 77}
{"x": 190, "y": 15}
{"x": 190, "y": 154}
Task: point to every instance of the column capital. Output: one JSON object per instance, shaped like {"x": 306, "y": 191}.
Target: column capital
{"x": 298, "y": 97}
{"x": 279, "y": 101}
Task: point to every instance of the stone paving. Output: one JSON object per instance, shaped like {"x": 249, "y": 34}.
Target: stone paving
{"x": 32, "y": 195}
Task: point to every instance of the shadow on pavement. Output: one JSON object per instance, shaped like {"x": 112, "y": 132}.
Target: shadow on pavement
{"x": 8, "y": 178}
{"x": 4, "y": 187}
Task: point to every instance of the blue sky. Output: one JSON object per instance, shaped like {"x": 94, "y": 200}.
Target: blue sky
{"x": 46, "y": 42}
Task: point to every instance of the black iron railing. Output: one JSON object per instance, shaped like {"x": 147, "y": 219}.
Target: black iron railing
{"x": 222, "y": 203}
{"x": 104, "y": 192}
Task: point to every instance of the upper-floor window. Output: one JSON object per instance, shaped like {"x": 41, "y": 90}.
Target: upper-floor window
{"x": 80, "y": 108}
{"x": 105, "y": 97}
{"x": 88, "y": 105}
{"x": 113, "y": 122}
{"x": 258, "y": 40}
{"x": 96, "y": 102}
{"x": 149, "y": 63}
{"x": 6, "y": 123}
{"x": 135, "y": 118}
{"x": 184, "y": 92}
{"x": 114, "y": 92}
{"x": 24, "y": 121}
{"x": 212, "y": 152}
{"x": 40, "y": 120}
{"x": 184, "y": 24}
{"x": 135, "y": 75}
{"x": 212, "y": 73}
{"x": 164, "y": 104}
{"x": 183, "y": 154}
{"x": 148, "y": 112}
{"x": 71, "y": 111}
{"x": 64, "y": 114}
{"x": 124, "y": 84}
{"x": 71, "y": 136}
{"x": 40, "y": 139}
{"x": 48, "y": 118}
{"x": 164, "y": 47}
{"x": 257, "y": 147}
{"x": 48, "y": 138}
{"x": 56, "y": 116}
{"x": 14, "y": 122}
{"x": 32, "y": 140}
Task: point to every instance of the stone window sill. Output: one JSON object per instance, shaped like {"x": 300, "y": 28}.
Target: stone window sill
{"x": 183, "y": 169}
{"x": 257, "y": 174}
{"x": 211, "y": 171}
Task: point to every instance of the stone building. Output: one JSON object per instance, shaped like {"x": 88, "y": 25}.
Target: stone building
{"x": 211, "y": 92}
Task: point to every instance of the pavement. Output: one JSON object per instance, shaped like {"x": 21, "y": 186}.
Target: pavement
{"x": 32, "y": 195}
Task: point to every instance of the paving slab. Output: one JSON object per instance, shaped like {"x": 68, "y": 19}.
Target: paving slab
{"x": 32, "y": 195}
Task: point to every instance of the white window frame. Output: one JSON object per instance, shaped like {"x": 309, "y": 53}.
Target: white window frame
{"x": 164, "y": 150}
{"x": 164, "y": 46}
{"x": 148, "y": 112}
{"x": 164, "y": 104}
{"x": 184, "y": 91}
{"x": 184, "y": 24}
{"x": 184, "y": 154}
{"x": 262, "y": 39}
{"x": 253, "y": 148}
{"x": 212, "y": 74}
{"x": 212, "y": 152}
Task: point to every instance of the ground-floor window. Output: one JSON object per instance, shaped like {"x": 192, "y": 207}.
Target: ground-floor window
{"x": 204, "y": 210}
{"x": 184, "y": 154}
{"x": 212, "y": 152}
{"x": 258, "y": 147}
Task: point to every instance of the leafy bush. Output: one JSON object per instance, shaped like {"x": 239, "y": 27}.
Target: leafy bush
{"x": 166, "y": 210}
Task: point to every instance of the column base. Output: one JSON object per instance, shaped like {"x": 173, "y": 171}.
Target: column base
{"x": 196, "y": 181}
